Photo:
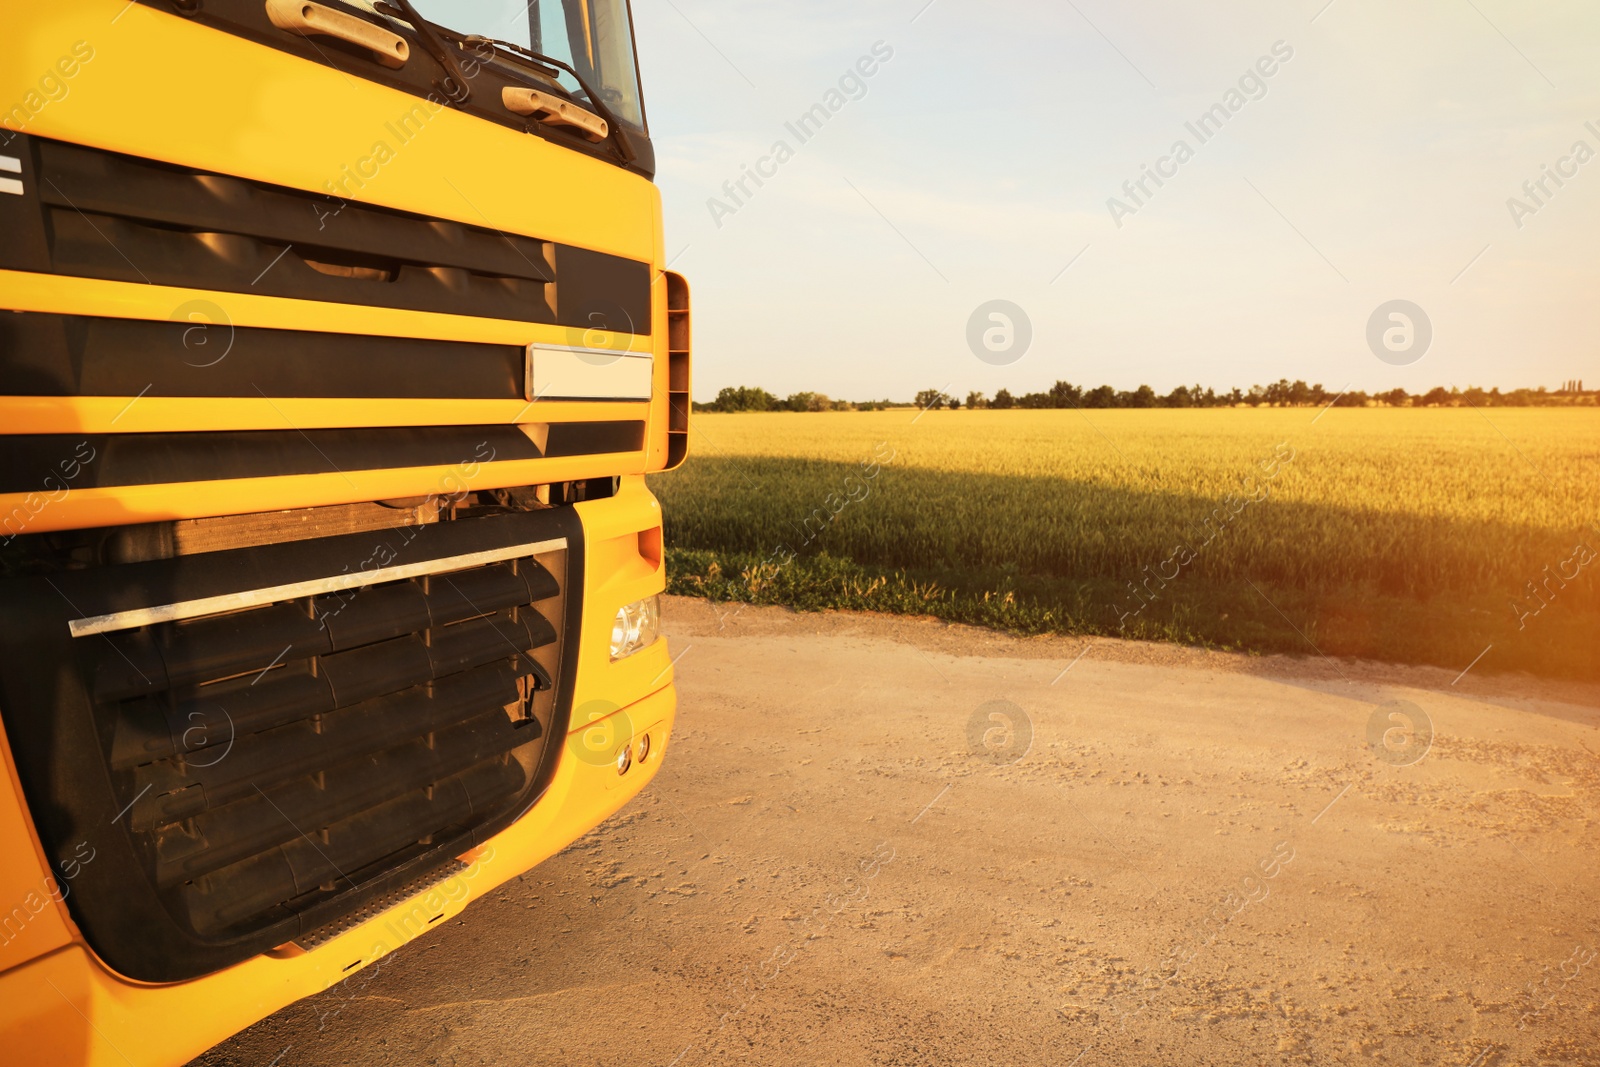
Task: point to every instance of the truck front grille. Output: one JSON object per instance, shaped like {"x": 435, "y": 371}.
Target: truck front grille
{"x": 258, "y": 759}
{"x": 267, "y": 752}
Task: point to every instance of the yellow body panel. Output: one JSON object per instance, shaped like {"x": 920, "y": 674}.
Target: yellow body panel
{"x": 163, "y": 87}
{"x": 122, "y": 505}
{"x": 131, "y": 300}
{"x": 34, "y": 921}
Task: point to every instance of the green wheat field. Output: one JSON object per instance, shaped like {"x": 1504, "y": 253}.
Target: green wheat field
{"x": 1422, "y": 536}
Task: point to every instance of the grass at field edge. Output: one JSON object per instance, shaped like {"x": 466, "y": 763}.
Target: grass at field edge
{"x": 1237, "y": 617}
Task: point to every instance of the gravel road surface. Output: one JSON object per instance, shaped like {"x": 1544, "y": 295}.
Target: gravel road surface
{"x": 886, "y": 841}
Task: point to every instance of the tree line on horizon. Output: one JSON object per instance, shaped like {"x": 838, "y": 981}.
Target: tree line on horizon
{"x": 1282, "y": 393}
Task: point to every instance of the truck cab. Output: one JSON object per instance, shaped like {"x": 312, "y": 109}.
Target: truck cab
{"x": 336, "y": 341}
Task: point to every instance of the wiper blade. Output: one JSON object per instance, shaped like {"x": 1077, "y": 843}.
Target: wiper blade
{"x": 521, "y": 54}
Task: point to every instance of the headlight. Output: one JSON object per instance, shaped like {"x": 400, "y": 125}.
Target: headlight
{"x": 636, "y": 626}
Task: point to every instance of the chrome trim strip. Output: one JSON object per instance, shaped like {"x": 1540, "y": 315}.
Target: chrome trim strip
{"x": 249, "y": 598}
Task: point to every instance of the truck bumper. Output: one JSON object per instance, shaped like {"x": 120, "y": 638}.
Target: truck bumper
{"x": 65, "y": 1007}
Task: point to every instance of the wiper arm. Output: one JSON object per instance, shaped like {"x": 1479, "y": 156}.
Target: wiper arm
{"x": 436, "y": 48}
{"x": 618, "y": 135}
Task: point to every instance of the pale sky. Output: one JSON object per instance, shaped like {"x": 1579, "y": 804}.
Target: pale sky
{"x": 1376, "y": 165}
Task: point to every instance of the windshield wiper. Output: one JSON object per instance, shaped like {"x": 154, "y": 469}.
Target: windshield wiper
{"x": 436, "y": 48}
{"x": 432, "y": 39}
{"x": 538, "y": 60}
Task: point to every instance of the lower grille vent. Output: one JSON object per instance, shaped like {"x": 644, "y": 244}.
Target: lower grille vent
{"x": 274, "y": 768}
{"x": 298, "y": 743}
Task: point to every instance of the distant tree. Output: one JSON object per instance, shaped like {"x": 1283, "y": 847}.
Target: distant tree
{"x": 927, "y": 398}
{"x": 1437, "y": 397}
{"x": 1395, "y": 398}
{"x": 744, "y": 398}
{"x": 1475, "y": 397}
{"x": 1065, "y": 395}
{"x": 974, "y": 400}
{"x": 1256, "y": 396}
{"x": 1101, "y": 396}
{"x": 1002, "y": 400}
{"x": 798, "y": 401}
{"x": 1036, "y": 400}
{"x": 1235, "y": 397}
{"x": 953, "y": 404}
{"x": 1179, "y": 398}
{"x": 1142, "y": 397}
{"x": 1351, "y": 398}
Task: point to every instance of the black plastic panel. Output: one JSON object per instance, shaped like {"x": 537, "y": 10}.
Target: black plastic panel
{"x": 103, "y": 460}
{"x": 92, "y": 245}
{"x": 593, "y": 438}
{"x": 34, "y": 462}
{"x": 77, "y": 355}
{"x": 107, "y": 183}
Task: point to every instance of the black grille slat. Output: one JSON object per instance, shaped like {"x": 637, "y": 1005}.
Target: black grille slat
{"x": 379, "y": 612}
{"x": 195, "y": 718}
{"x": 379, "y": 669}
{"x": 478, "y": 592}
{"x": 231, "y": 644}
{"x": 466, "y": 644}
{"x": 374, "y": 670}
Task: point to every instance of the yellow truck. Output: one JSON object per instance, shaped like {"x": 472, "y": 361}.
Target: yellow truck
{"x": 336, "y": 342}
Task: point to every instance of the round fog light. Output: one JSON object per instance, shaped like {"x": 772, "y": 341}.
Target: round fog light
{"x": 624, "y": 759}
{"x": 644, "y": 747}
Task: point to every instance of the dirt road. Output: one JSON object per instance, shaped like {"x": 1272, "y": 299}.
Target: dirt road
{"x": 890, "y": 841}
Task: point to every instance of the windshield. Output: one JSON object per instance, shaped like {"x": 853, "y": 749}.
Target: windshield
{"x": 594, "y": 37}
